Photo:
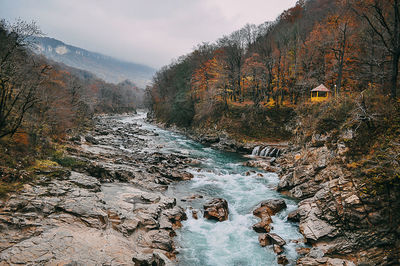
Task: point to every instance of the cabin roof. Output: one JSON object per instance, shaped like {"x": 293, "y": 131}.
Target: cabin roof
{"x": 321, "y": 88}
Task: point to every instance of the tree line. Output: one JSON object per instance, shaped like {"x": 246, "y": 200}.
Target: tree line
{"x": 348, "y": 45}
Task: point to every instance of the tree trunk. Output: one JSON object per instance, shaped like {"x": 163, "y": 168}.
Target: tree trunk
{"x": 396, "y": 54}
{"x": 395, "y": 73}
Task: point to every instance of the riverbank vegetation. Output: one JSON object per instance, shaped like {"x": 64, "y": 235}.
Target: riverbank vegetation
{"x": 43, "y": 103}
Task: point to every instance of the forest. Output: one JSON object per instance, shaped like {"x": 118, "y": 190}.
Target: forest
{"x": 350, "y": 46}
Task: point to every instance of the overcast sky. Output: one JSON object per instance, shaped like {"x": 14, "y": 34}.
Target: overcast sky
{"x": 152, "y": 32}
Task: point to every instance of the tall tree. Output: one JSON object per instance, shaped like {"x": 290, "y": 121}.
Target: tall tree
{"x": 383, "y": 17}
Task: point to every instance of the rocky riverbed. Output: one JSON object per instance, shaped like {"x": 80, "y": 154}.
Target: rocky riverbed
{"x": 109, "y": 210}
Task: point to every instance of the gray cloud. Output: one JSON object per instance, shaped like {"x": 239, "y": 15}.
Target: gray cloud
{"x": 150, "y": 32}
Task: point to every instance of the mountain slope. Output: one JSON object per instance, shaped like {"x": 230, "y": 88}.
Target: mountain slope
{"x": 105, "y": 67}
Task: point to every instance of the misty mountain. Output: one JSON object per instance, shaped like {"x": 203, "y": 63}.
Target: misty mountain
{"x": 105, "y": 67}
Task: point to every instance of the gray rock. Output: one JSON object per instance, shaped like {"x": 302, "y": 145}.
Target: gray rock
{"x": 85, "y": 181}
{"x": 160, "y": 239}
{"x": 316, "y": 253}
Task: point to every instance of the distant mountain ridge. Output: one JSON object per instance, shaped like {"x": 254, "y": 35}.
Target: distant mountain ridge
{"x": 105, "y": 67}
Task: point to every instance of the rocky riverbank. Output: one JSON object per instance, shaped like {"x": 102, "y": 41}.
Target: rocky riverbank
{"x": 109, "y": 208}
{"x": 343, "y": 224}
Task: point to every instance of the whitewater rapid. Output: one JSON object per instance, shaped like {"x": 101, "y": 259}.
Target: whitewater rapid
{"x": 221, "y": 174}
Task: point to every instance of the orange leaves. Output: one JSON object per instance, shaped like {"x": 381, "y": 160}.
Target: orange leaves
{"x": 21, "y": 138}
{"x": 293, "y": 14}
{"x": 209, "y": 76}
{"x": 253, "y": 64}
{"x": 254, "y": 72}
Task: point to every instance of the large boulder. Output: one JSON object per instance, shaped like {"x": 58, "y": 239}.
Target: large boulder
{"x": 312, "y": 225}
{"x": 264, "y": 211}
{"x": 269, "y": 207}
{"x": 160, "y": 239}
{"x": 216, "y": 209}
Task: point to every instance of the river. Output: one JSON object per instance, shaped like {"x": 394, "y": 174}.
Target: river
{"x": 222, "y": 174}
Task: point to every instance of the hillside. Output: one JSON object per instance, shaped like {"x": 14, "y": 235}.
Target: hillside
{"x": 105, "y": 67}
{"x": 277, "y": 64}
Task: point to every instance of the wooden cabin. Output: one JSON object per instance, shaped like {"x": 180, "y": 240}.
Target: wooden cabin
{"x": 320, "y": 94}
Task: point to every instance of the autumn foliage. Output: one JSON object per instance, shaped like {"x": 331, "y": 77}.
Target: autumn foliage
{"x": 344, "y": 45}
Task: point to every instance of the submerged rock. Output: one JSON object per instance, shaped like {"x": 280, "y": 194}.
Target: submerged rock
{"x": 216, "y": 209}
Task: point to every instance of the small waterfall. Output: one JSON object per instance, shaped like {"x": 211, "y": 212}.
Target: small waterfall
{"x": 273, "y": 152}
{"x": 264, "y": 151}
{"x": 256, "y": 150}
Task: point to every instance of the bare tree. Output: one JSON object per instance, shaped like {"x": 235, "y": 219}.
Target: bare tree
{"x": 20, "y": 74}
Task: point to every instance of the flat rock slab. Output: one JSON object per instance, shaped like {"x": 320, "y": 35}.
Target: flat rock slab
{"x": 71, "y": 243}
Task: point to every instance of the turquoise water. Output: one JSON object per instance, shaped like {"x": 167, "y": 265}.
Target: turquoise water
{"x": 222, "y": 174}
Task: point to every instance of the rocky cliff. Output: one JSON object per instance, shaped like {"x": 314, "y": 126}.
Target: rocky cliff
{"x": 337, "y": 215}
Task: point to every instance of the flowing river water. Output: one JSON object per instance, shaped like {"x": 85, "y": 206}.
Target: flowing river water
{"x": 222, "y": 174}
